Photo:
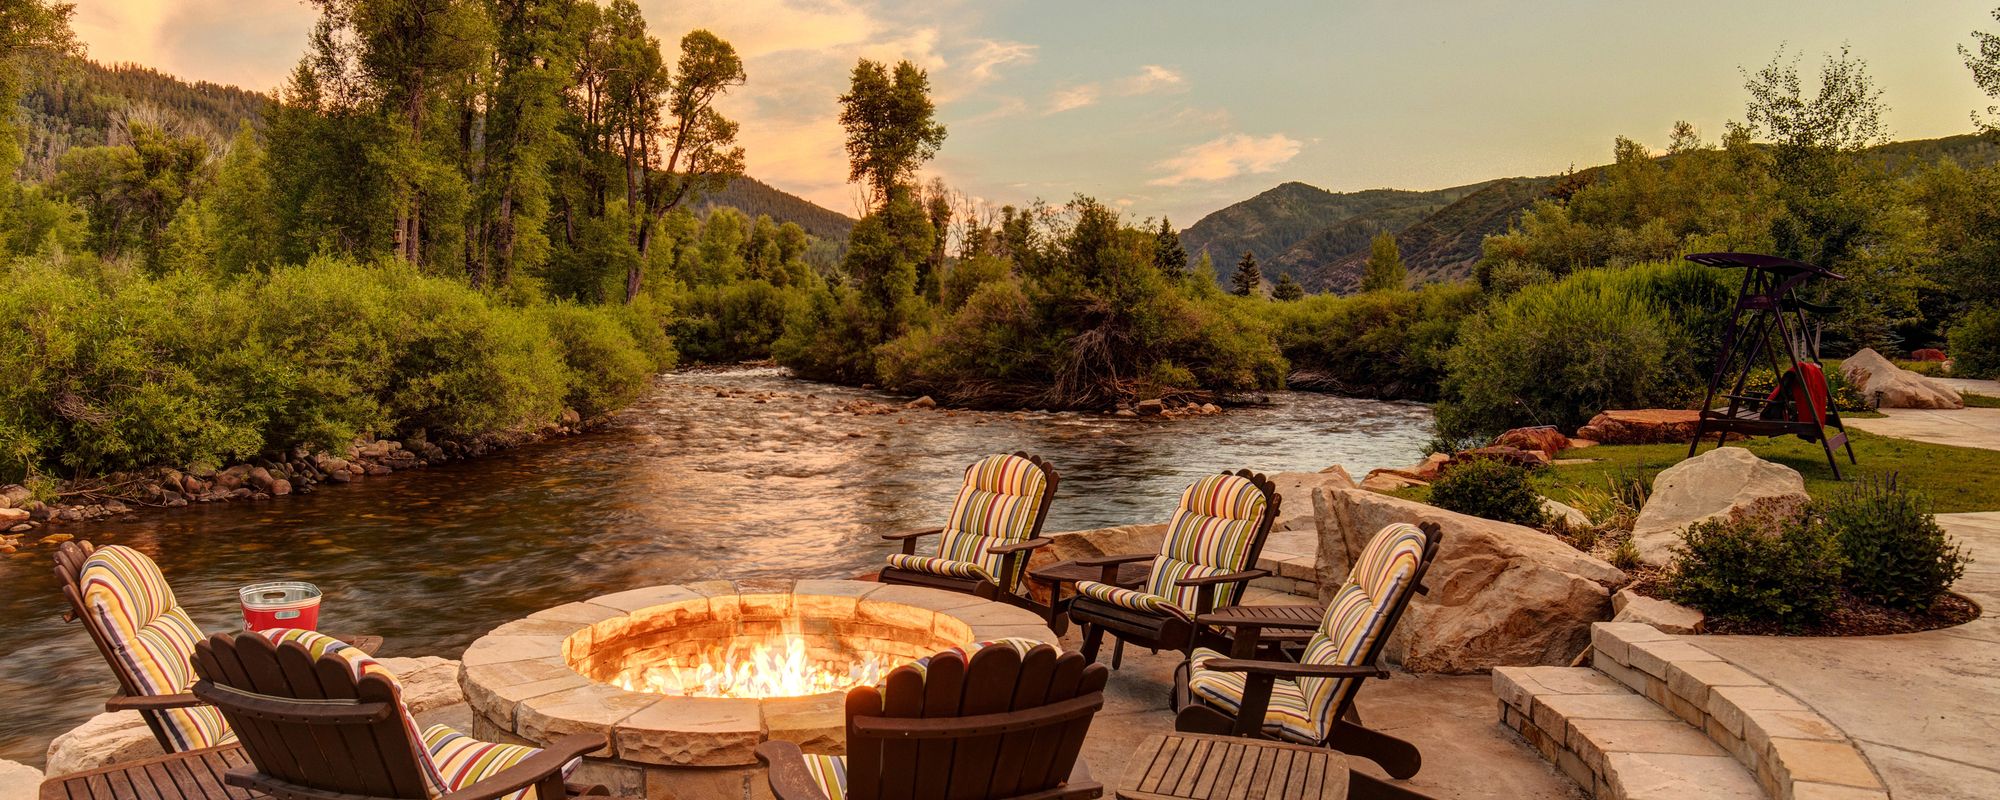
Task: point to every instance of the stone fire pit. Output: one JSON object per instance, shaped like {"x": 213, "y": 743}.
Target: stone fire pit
{"x": 534, "y": 680}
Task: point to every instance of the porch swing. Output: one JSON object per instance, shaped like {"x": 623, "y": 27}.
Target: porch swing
{"x": 1769, "y": 326}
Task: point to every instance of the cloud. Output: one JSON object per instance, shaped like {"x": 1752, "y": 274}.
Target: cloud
{"x": 991, "y": 55}
{"x": 1073, "y": 98}
{"x": 1151, "y": 78}
{"x": 1227, "y": 157}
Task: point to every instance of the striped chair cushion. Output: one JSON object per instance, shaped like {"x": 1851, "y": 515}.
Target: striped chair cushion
{"x": 1127, "y": 598}
{"x": 449, "y": 760}
{"x": 996, "y": 505}
{"x": 152, "y": 636}
{"x": 1358, "y": 614}
{"x": 1288, "y": 715}
{"x": 1210, "y": 534}
{"x": 830, "y": 772}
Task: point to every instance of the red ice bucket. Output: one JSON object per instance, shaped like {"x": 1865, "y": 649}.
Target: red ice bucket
{"x": 280, "y": 604}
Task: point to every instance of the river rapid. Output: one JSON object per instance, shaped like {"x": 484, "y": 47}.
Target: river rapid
{"x": 736, "y": 473}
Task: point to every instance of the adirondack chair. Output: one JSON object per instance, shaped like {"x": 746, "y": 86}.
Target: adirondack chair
{"x": 321, "y": 720}
{"x": 998, "y": 720}
{"x": 1209, "y": 555}
{"x": 995, "y": 523}
{"x": 1312, "y": 702}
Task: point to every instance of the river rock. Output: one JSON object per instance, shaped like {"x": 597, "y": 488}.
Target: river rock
{"x": 1390, "y": 480}
{"x": 19, "y": 781}
{"x": 922, "y": 402}
{"x": 1631, "y": 606}
{"x": 1889, "y": 386}
{"x": 110, "y": 738}
{"x": 1727, "y": 482}
{"x": 1641, "y": 426}
{"x": 1431, "y": 467}
{"x": 13, "y": 495}
{"x": 1500, "y": 594}
{"x": 1544, "y": 439}
{"x": 280, "y": 487}
{"x": 9, "y": 517}
{"x": 1295, "y": 510}
{"x": 1151, "y": 408}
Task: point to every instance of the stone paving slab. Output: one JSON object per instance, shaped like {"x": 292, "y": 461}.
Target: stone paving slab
{"x": 1973, "y": 385}
{"x": 1961, "y": 427}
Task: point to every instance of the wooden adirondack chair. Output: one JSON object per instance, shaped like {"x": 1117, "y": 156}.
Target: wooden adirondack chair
{"x": 1209, "y": 555}
{"x": 995, "y": 522}
{"x": 1312, "y": 702}
{"x": 322, "y": 721}
{"x": 1005, "y": 723}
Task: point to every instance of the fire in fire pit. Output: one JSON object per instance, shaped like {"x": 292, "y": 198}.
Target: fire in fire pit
{"x": 781, "y": 667}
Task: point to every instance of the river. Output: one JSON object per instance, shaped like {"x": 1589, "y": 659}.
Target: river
{"x": 733, "y": 473}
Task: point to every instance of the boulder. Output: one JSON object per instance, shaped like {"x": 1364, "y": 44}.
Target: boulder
{"x": 1727, "y": 482}
{"x": 1929, "y": 354}
{"x": 922, "y": 402}
{"x": 1390, "y": 480}
{"x": 13, "y": 495}
{"x": 1151, "y": 408}
{"x": 1431, "y": 467}
{"x": 1544, "y": 439}
{"x": 1094, "y": 542}
{"x": 1641, "y": 426}
{"x": 1568, "y": 515}
{"x": 19, "y": 781}
{"x": 1500, "y": 594}
{"x": 1295, "y": 510}
{"x": 1631, "y": 606}
{"x": 1507, "y": 453}
{"x": 9, "y": 517}
{"x": 109, "y": 738}
{"x": 1889, "y": 386}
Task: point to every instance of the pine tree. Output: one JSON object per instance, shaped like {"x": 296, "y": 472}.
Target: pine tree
{"x": 1385, "y": 265}
{"x": 1248, "y": 279}
{"x": 1287, "y": 289}
{"x": 1168, "y": 254}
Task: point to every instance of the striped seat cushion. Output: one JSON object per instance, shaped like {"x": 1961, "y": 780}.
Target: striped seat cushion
{"x": 1126, "y": 598}
{"x": 1358, "y": 615}
{"x": 996, "y": 505}
{"x": 152, "y": 636}
{"x": 1289, "y": 715}
{"x": 830, "y": 772}
{"x": 1210, "y": 534}
{"x": 450, "y": 761}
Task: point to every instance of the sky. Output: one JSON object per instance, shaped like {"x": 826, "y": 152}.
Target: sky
{"x": 1180, "y": 108}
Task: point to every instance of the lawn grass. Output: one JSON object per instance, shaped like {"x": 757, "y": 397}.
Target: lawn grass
{"x": 1980, "y": 400}
{"x": 1956, "y": 478}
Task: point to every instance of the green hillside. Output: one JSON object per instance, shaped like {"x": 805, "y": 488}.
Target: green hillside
{"x": 1296, "y": 215}
{"x": 754, "y": 197}
{"x": 1443, "y": 246}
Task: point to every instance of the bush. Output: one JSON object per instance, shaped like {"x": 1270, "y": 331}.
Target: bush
{"x": 1489, "y": 488}
{"x": 1975, "y": 344}
{"x": 607, "y": 370}
{"x": 731, "y": 322}
{"x": 1389, "y": 345}
{"x": 1749, "y": 572}
{"x": 1894, "y": 551}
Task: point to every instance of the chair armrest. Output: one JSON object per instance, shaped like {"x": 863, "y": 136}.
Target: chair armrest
{"x": 1112, "y": 561}
{"x": 1020, "y": 546}
{"x": 153, "y": 702}
{"x": 900, "y": 535}
{"x": 1228, "y": 577}
{"x": 788, "y": 776}
{"x": 1290, "y": 670}
{"x": 532, "y": 770}
{"x": 1225, "y": 619}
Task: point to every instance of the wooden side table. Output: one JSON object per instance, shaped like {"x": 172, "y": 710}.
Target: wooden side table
{"x": 1272, "y": 625}
{"x": 1055, "y": 575}
{"x": 1196, "y": 766}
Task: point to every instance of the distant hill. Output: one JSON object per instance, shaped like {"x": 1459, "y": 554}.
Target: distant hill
{"x": 1298, "y": 229}
{"x": 754, "y": 197}
{"x": 1444, "y": 246}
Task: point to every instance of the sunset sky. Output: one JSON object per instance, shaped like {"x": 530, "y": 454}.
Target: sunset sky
{"x": 1183, "y": 107}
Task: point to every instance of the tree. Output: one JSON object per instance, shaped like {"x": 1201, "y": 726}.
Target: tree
{"x": 1985, "y": 67}
{"x": 247, "y": 232}
{"x": 1248, "y": 279}
{"x": 890, "y": 126}
{"x": 533, "y": 62}
{"x": 1385, "y": 270}
{"x": 1287, "y": 289}
{"x": 1169, "y": 257}
{"x": 28, "y": 29}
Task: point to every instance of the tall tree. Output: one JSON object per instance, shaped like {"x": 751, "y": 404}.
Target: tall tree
{"x": 247, "y": 226}
{"x": 696, "y": 151}
{"x": 1985, "y": 66}
{"x": 1385, "y": 265}
{"x": 1168, "y": 254}
{"x": 1247, "y": 280}
{"x": 891, "y": 129}
{"x": 1286, "y": 288}
{"x": 533, "y": 61}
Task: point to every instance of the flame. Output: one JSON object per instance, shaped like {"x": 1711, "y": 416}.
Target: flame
{"x": 776, "y": 667}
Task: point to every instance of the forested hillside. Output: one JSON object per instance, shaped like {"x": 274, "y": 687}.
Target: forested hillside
{"x": 1445, "y": 245}
{"x": 754, "y": 197}
{"x": 1322, "y": 223}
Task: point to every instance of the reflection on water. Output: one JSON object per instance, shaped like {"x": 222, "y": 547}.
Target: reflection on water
{"x": 740, "y": 473}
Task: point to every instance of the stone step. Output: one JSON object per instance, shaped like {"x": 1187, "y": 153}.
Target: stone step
{"x": 1290, "y": 557}
{"x": 1615, "y": 743}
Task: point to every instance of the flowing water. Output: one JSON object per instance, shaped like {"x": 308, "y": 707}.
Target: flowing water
{"x": 735, "y": 473}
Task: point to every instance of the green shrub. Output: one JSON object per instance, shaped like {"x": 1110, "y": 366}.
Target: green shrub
{"x": 607, "y": 370}
{"x": 1895, "y": 553}
{"x": 1388, "y": 345}
{"x": 1748, "y": 572}
{"x": 462, "y": 367}
{"x": 1975, "y": 343}
{"x": 727, "y": 323}
{"x": 1489, "y": 488}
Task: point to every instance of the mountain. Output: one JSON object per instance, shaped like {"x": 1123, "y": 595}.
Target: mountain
{"x": 81, "y": 103}
{"x": 753, "y": 197}
{"x": 1298, "y": 229}
{"x": 1444, "y": 246}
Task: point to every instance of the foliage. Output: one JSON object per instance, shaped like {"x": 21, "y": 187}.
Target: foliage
{"x": 1247, "y": 280}
{"x": 1491, "y": 489}
{"x": 1388, "y": 344}
{"x": 1384, "y": 269}
{"x": 891, "y": 125}
{"x": 1985, "y": 67}
{"x": 1747, "y": 571}
{"x": 1975, "y": 343}
{"x": 1287, "y": 289}
{"x": 607, "y": 369}
{"x": 1895, "y": 553}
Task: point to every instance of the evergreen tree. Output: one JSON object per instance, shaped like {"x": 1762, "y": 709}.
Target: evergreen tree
{"x": 1248, "y": 280}
{"x": 246, "y": 225}
{"x": 1168, "y": 254}
{"x": 1287, "y": 289}
{"x": 1385, "y": 270}
{"x": 533, "y": 63}
{"x": 891, "y": 125}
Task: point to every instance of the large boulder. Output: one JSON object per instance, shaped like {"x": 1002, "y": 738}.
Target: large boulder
{"x": 19, "y": 781}
{"x": 1500, "y": 594}
{"x": 1724, "y": 483}
{"x": 1641, "y": 426}
{"x": 110, "y": 738}
{"x": 1889, "y": 386}
{"x": 1544, "y": 439}
{"x": 1295, "y": 509}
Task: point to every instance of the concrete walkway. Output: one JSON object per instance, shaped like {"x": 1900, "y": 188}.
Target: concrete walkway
{"x": 1924, "y": 707}
{"x": 1963, "y": 427}
{"x": 1973, "y": 385}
